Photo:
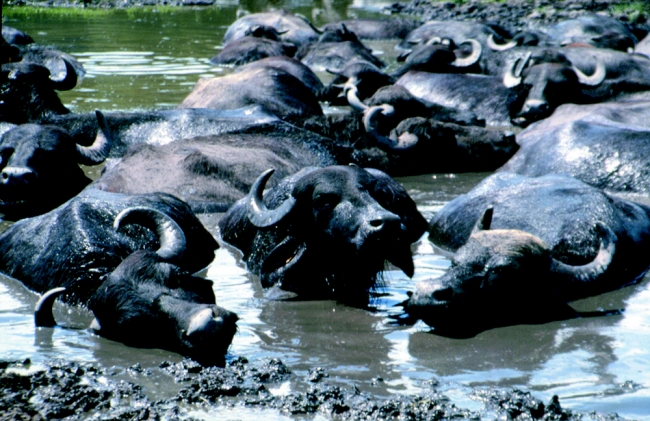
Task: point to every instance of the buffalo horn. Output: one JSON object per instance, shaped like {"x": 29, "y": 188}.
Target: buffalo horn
{"x": 493, "y": 45}
{"x": 256, "y": 210}
{"x": 512, "y": 77}
{"x": 352, "y": 94}
{"x": 596, "y": 78}
{"x": 98, "y": 151}
{"x": 370, "y": 115}
{"x": 43, "y": 316}
{"x": 170, "y": 234}
{"x": 473, "y": 57}
{"x": 69, "y": 81}
{"x": 599, "y": 265}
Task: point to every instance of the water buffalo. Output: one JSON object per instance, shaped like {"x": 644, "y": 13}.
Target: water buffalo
{"x": 39, "y": 167}
{"x": 160, "y": 127}
{"x": 291, "y": 27}
{"x": 148, "y": 301}
{"x": 325, "y": 232}
{"x": 604, "y": 145}
{"x": 455, "y": 30}
{"x": 376, "y": 29}
{"x": 334, "y": 49}
{"x": 553, "y": 238}
{"x": 251, "y": 48}
{"x": 291, "y": 66}
{"x": 597, "y": 30}
{"x": 275, "y": 90}
{"x": 75, "y": 245}
{"x": 591, "y": 29}
{"x": 210, "y": 173}
{"x": 486, "y": 96}
{"x": 550, "y": 77}
{"x": 441, "y": 56}
{"x": 27, "y": 92}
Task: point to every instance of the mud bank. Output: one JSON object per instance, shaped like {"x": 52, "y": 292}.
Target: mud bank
{"x": 76, "y": 391}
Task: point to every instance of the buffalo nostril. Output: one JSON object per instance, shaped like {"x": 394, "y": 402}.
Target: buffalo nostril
{"x": 443, "y": 294}
{"x": 5, "y": 176}
{"x": 377, "y": 223}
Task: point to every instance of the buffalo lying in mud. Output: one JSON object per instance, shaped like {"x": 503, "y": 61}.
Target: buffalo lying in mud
{"x": 39, "y": 167}
{"x": 542, "y": 243}
{"x": 604, "y": 145}
{"x": 161, "y": 127}
{"x": 486, "y": 96}
{"x": 325, "y": 232}
{"x": 210, "y": 173}
{"x": 95, "y": 251}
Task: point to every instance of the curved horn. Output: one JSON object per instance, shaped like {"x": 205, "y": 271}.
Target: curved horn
{"x": 256, "y": 210}
{"x": 596, "y": 78}
{"x": 512, "y": 77}
{"x": 43, "y": 316}
{"x": 370, "y": 115}
{"x": 433, "y": 40}
{"x": 352, "y": 94}
{"x": 170, "y": 234}
{"x": 493, "y": 45}
{"x": 393, "y": 143}
{"x": 69, "y": 81}
{"x": 473, "y": 57}
{"x": 599, "y": 265}
{"x": 98, "y": 151}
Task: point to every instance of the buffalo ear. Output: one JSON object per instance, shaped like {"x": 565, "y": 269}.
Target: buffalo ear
{"x": 485, "y": 221}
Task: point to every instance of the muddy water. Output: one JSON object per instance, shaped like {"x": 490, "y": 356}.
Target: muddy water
{"x": 150, "y": 60}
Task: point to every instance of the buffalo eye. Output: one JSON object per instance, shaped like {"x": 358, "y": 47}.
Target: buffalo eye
{"x": 325, "y": 201}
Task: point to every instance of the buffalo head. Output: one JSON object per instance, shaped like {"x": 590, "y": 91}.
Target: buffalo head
{"x": 504, "y": 277}
{"x": 549, "y": 82}
{"x": 329, "y": 231}
{"x": 39, "y": 167}
{"x": 148, "y": 301}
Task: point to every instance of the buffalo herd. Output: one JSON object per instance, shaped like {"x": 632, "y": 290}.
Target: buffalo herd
{"x": 560, "y": 115}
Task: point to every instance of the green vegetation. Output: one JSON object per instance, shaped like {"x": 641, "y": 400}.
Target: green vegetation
{"x": 13, "y": 12}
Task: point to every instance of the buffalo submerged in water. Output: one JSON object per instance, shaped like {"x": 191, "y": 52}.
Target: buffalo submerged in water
{"x": 523, "y": 248}
{"x": 325, "y": 232}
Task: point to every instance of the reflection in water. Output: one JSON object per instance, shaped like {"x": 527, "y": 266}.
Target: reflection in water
{"x": 144, "y": 60}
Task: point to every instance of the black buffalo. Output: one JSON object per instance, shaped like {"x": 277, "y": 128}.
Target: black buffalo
{"x": 210, "y": 173}
{"x": 39, "y": 167}
{"x": 274, "y": 89}
{"x": 148, "y": 301}
{"x": 334, "y": 49}
{"x": 486, "y": 96}
{"x": 543, "y": 243}
{"x": 28, "y": 93}
{"x": 376, "y": 29}
{"x": 30, "y": 76}
{"x": 325, "y": 232}
{"x": 96, "y": 247}
{"x": 547, "y": 78}
{"x": 160, "y": 127}
{"x": 251, "y": 48}
{"x": 604, "y": 145}
{"x": 290, "y": 27}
